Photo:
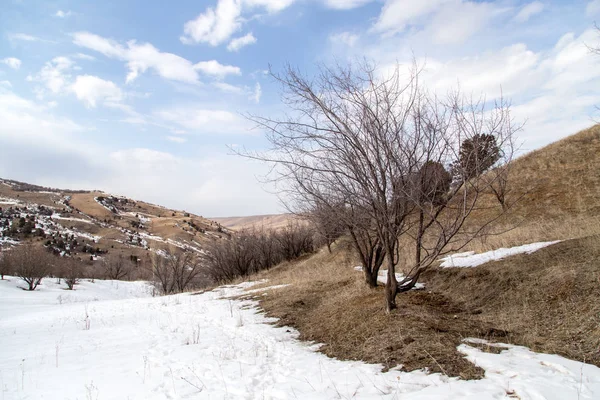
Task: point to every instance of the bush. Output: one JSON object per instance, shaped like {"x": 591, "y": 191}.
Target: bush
{"x": 117, "y": 267}
{"x": 31, "y": 264}
{"x": 250, "y": 251}
{"x": 175, "y": 271}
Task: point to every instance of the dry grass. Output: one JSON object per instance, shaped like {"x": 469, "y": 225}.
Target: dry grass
{"x": 547, "y": 301}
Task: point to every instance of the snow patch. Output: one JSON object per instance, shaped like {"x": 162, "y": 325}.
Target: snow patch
{"x": 470, "y": 259}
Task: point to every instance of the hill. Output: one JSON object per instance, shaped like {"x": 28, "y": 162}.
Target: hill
{"x": 269, "y": 221}
{"x": 561, "y": 179}
{"x": 91, "y": 224}
{"x": 547, "y": 300}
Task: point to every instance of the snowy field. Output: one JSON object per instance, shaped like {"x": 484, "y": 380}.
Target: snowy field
{"x": 112, "y": 340}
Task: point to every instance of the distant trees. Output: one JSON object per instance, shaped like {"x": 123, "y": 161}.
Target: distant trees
{"x": 389, "y": 160}
{"x": 254, "y": 250}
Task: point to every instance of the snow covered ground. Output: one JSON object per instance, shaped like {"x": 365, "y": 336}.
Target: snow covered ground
{"x": 112, "y": 340}
{"x": 470, "y": 259}
{"x": 382, "y": 277}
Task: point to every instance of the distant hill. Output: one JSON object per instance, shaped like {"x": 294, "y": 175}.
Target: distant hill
{"x": 88, "y": 224}
{"x": 270, "y": 221}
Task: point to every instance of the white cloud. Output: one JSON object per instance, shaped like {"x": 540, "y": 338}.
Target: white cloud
{"x": 216, "y": 69}
{"x": 214, "y": 183}
{"x": 396, "y": 14}
{"x": 344, "y": 38}
{"x": 592, "y": 8}
{"x": 63, "y": 14}
{"x": 257, "y": 93}
{"x": 27, "y": 38}
{"x": 242, "y": 41}
{"x": 82, "y": 56}
{"x": 5, "y": 84}
{"x": 271, "y": 6}
{"x": 176, "y": 139}
{"x": 447, "y": 21}
{"x": 529, "y": 11}
{"x": 144, "y": 56}
{"x": 457, "y": 21}
{"x": 554, "y": 90}
{"x": 346, "y": 4}
{"x": 12, "y": 62}
{"x": 91, "y": 89}
{"x": 214, "y": 26}
{"x": 203, "y": 120}
{"x": 217, "y": 25}
{"x": 226, "y": 87}
{"x": 54, "y": 75}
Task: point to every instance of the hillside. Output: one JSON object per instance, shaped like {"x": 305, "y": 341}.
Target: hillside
{"x": 547, "y": 300}
{"x": 270, "y": 221}
{"x": 561, "y": 179}
{"x": 91, "y": 224}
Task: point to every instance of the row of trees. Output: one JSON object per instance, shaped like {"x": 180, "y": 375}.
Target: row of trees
{"x": 32, "y": 263}
{"x": 172, "y": 270}
{"x": 254, "y": 250}
{"x": 378, "y": 156}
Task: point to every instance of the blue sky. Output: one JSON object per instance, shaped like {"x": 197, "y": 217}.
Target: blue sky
{"x": 144, "y": 98}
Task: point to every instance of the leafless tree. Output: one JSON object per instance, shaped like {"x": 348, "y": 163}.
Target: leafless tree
{"x": 231, "y": 258}
{"x": 175, "y": 271}
{"x": 382, "y": 145}
{"x": 71, "y": 270}
{"x": 5, "y": 266}
{"x": 116, "y": 267}
{"x": 31, "y": 263}
{"x": 294, "y": 240}
{"x": 328, "y": 225}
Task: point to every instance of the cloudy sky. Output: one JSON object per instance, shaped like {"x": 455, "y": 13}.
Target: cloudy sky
{"x": 145, "y": 98}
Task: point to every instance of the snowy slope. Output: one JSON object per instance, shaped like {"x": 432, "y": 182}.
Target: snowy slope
{"x": 470, "y": 259}
{"x": 208, "y": 346}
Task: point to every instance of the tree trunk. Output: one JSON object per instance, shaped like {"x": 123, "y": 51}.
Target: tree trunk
{"x": 391, "y": 286}
{"x": 370, "y": 277}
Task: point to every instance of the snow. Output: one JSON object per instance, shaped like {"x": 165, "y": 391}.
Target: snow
{"x": 59, "y": 217}
{"x": 470, "y": 259}
{"x": 382, "y": 277}
{"x": 128, "y": 345}
{"x": 6, "y": 201}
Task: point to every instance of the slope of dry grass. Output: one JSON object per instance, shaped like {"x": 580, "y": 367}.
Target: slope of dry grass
{"x": 547, "y": 301}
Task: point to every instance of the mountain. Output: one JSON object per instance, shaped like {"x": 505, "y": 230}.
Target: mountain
{"x": 93, "y": 223}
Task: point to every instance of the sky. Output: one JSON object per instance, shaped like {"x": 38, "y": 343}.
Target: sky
{"x": 148, "y": 99}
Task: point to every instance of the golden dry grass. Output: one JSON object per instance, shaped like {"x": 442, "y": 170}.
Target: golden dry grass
{"x": 547, "y": 300}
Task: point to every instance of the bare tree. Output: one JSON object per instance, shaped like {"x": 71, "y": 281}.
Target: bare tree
{"x": 327, "y": 225}
{"x": 71, "y": 271}
{"x": 175, "y": 271}
{"x": 381, "y": 145}
{"x": 294, "y": 240}
{"x": 116, "y": 267}
{"x": 5, "y": 266}
{"x": 31, "y": 263}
